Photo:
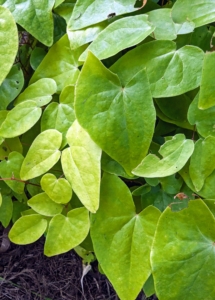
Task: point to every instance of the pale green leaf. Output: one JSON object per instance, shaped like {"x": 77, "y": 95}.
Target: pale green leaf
{"x": 58, "y": 116}
{"x": 183, "y": 256}
{"x": 171, "y": 72}
{"x": 119, "y": 35}
{"x": 81, "y": 166}
{"x": 33, "y": 15}
{"x": 207, "y": 87}
{"x": 0, "y": 199}
{"x": 6, "y": 210}
{"x": 27, "y": 229}
{"x": 90, "y": 12}
{"x": 120, "y": 119}
{"x": 175, "y": 153}
{"x": 20, "y": 119}
{"x": 59, "y": 190}
{"x": 40, "y": 92}
{"x": 8, "y": 41}
{"x": 11, "y": 86}
{"x": 65, "y": 10}
{"x": 43, "y": 205}
{"x": 198, "y": 11}
{"x": 164, "y": 26}
{"x": 10, "y": 168}
{"x": 67, "y": 96}
{"x": 122, "y": 238}
{"x": 202, "y": 161}
{"x": 65, "y": 233}
{"x": 205, "y": 124}
{"x": 42, "y": 155}
{"x": 83, "y": 36}
{"x": 60, "y": 63}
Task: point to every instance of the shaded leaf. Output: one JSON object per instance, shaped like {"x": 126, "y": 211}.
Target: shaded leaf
{"x": 10, "y": 145}
{"x": 6, "y": 210}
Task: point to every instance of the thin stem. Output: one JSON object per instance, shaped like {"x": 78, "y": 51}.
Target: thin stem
{"x": 19, "y": 180}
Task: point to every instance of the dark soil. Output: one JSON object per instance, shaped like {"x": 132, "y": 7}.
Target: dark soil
{"x": 26, "y": 274}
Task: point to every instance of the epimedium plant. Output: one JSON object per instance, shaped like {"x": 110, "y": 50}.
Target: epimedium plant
{"x": 107, "y": 137}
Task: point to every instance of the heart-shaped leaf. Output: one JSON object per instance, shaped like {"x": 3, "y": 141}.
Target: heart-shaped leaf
{"x": 175, "y": 152}
{"x": 42, "y": 155}
{"x": 65, "y": 233}
{"x": 43, "y": 205}
{"x": 105, "y": 109}
{"x": 122, "y": 238}
{"x": 183, "y": 254}
{"x": 28, "y": 229}
{"x": 59, "y": 190}
{"x": 81, "y": 166}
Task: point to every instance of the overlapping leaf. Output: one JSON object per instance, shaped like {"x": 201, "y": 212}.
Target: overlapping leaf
{"x": 31, "y": 15}
{"x": 122, "y": 238}
{"x": 120, "y": 119}
{"x": 90, "y": 12}
{"x": 41, "y": 92}
{"x": 183, "y": 253}
{"x": 8, "y": 41}
{"x": 42, "y": 155}
{"x": 171, "y": 72}
{"x": 119, "y": 35}
{"x": 175, "y": 153}
{"x": 60, "y": 64}
{"x": 81, "y": 166}
{"x": 43, "y": 205}
{"x": 65, "y": 233}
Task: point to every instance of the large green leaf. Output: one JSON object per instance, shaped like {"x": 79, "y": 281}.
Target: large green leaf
{"x": 42, "y": 155}
{"x": 183, "y": 254}
{"x": 81, "y": 166}
{"x": 198, "y": 11}
{"x": 119, "y": 35}
{"x": 10, "y": 168}
{"x": 122, "y": 238}
{"x": 8, "y": 41}
{"x": 43, "y": 205}
{"x": 171, "y": 72}
{"x": 175, "y": 153}
{"x": 20, "y": 119}
{"x": 33, "y": 15}
{"x": 207, "y": 87}
{"x": 202, "y": 161}
{"x": 120, "y": 119}
{"x": 202, "y": 118}
{"x": 89, "y": 12}
{"x": 59, "y": 190}
{"x": 28, "y": 229}
{"x": 60, "y": 63}
{"x": 164, "y": 30}
{"x": 41, "y": 92}
{"x": 83, "y": 36}
{"x": 11, "y": 86}
{"x": 65, "y": 233}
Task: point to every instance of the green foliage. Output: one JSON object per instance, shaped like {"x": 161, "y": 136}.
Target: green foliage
{"x": 107, "y": 137}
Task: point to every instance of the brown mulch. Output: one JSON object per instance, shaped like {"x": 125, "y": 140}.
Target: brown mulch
{"x": 26, "y": 274}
